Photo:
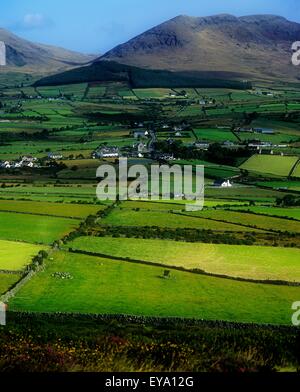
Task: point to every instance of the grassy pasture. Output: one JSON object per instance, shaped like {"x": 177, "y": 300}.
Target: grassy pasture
{"x": 6, "y": 281}
{"x": 34, "y": 228}
{"x": 108, "y": 286}
{"x": 57, "y": 209}
{"x": 252, "y": 262}
{"x": 14, "y": 256}
{"x": 215, "y": 135}
{"x": 270, "y": 164}
{"x": 241, "y": 193}
{"x": 277, "y": 138}
{"x": 289, "y": 185}
{"x": 296, "y": 171}
{"x": 96, "y": 92}
{"x": 153, "y": 206}
{"x": 293, "y": 212}
{"x": 127, "y": 217}
{"x": 43, "y": 192}
{"x": 258, "y": 221}
{"x": 153, "y": 93}
{"x": 213, "y": 170}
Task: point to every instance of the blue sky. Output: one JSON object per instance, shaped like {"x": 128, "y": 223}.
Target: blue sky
{"x": 94, "y": 26}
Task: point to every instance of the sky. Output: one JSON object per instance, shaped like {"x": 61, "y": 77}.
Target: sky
{"x": 95, "y": 26}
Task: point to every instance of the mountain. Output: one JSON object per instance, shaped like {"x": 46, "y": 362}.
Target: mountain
{"x": 134, "y": 77}
{"x": 25, "y": 55}
{"x": 257, "y": 46}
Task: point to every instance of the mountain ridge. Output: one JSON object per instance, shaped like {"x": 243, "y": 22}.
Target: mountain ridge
{"x": 22, "y": 54}
{"x": 254, "y": 45}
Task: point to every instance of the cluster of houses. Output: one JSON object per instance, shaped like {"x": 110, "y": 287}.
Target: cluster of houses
{"x": 106, "y": 152}
{"x": 21, "y": 162}
{"x": 137, "y": 150}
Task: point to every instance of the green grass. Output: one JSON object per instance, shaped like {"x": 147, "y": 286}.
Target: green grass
{"x": 276, "y": 138}
{"x": 96, "y": 92}
{"x": 296, "y": 171}
{"x": 107, "y": 286}
{"x": 252, "y": 262}
{"x": 213, "y": 170}
{"x": 63, "y": 210}
{"x": 278, "y": 211}
{"x": 14, "y": 256}
{"x": 215, "y": 135}
{"x": 240, "y": 193}
{"x": 261, "y": 222}
{"x": 48, "y": 191}
{"x": 270, "y": 164}
{"x": 127, "y": 217}
{"x": 290, "y": 185}
{"x": 154, "y": 206}
{"x": 153, "y": 93}
{"x": 6, "y": 281}
{"x": 34, "y": 228}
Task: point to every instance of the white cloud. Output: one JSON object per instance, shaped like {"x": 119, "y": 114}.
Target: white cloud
{"x": 34, "y": 20}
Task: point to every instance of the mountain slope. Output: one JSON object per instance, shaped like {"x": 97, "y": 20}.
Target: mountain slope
{"x": 25, "y": 55}
{"x": 256, "y": 46}
{"x": 110, "y": 71}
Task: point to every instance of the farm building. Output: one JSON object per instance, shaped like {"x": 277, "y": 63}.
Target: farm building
{"x": 106, "y": 152}
{"x": 54, "y": 156}
{"x": 221, "y": 183}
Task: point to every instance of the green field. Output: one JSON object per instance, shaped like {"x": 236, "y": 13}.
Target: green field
{"x": 257, "y": 221}
{"x": 284, "y": 185}
{"x": 296, "y": 171}
{"x": 215, "y": 135}
{"x": 246, "y": 193}
{"x": 48, "y": 192}
{"x": 14, "y": 256}
{"x": 34, "y": 228}
{"x": 45, "y": 208}
{"x": 6, "y": 281}
{"x": 127, "y": 217}
{"x": 270, "y": 164}
{"x": 252, "y": 262}
{"x": 154, "y": 205}
{"x": 293, "y": 212}
{"x": 152, "y": 93}
{"x": 108, "y": 286}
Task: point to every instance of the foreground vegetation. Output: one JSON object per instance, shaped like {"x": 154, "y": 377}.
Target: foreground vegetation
{"x": 56, "y": 343}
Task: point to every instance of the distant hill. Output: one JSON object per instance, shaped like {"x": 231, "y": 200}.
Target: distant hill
{"x": 25, "y": 55}
{"x": 104, "y": 71}
{"x": 257, "y": 47}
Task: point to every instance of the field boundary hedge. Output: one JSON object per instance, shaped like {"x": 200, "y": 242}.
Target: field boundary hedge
{"x": 17, "y": 286}
{"x": 232, "y": 223}
{"x": 39, "y": 214}
{"x": 156, "y": 321}
{"x": 182, "y": 269}
{"x": 10, "y": 272}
